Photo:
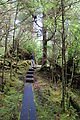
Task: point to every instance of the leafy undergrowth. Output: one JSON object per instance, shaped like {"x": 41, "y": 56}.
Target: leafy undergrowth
{"x": 11, "y": 98}
{"x": 10, "y": 103}
{"x": 48, "y": 101}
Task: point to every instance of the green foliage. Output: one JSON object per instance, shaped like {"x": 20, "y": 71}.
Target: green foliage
{"x": 2, "y": 51}
{"x": 33, "y": 45}
{"x": 11, "y": 98}
{"x": 10, "y": 104}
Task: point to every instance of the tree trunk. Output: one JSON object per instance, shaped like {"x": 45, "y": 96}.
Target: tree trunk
{"x": 13, "y": 48}
{"x": 63, "y": 56}
{"x": 6, "y": 53}
{"x": 44, "y": 60}
{"x": 6, "y": 40}
{"x": 3, "y": 74}
{"x": 17, "y": 54}
{"x": 54, "y": 52}
{"x": 14, "y": 28}
{"x": 17, "y": 45}
{"x": 72, "y": 72}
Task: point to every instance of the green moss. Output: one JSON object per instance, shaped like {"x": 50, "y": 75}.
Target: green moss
{"x": 11, "y": 98}
{"x": 11, "y": 103}
{"x": 48, "y": 101}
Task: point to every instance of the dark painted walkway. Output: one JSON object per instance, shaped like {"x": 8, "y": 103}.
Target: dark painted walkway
{"x": 28, "y": 110}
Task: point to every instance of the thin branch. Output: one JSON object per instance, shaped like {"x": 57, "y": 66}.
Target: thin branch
{"x": 19, "y": 24}
{"x": 7, "y": 2}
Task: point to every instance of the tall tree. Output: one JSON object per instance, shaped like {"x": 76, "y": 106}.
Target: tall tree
{"x": 63, "y": 55}
{"x": 7, "y": 34}
{"x": 6, "y": 53}
{"x": 16, "y": 13}
{"x": 44, "y": 60}
{"x": 14, "y": 43}
{"x": 54, "y": 50}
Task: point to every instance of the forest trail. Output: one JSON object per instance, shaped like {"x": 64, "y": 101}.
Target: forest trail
{"x": 28, "y": 110}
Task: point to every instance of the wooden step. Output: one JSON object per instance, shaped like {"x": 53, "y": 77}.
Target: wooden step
{"x": 31, "y": 69}
{"x": 34, "y": 67}
{"x": 30, "y": 72}
{"x": 29, "y": 76}
{"x": 30, "y": 80}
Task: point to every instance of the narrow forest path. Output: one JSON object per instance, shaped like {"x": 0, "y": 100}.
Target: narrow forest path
{"x": 28, "y": 110}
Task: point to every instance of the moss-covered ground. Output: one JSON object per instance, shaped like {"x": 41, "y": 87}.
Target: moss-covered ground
{"x": 48, "y": 101}
{"x": 11, "y": 98}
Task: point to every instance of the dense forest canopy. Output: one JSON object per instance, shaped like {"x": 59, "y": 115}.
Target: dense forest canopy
{"x": 20, "y": 17}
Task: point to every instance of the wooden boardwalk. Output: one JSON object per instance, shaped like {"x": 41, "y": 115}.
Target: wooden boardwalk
{"x": 28, "y": 110}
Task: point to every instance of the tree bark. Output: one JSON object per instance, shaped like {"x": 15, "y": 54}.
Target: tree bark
{"x": 6, "y": 39}
{"x": 15, "y": 27}
{"x": 13, "y": 48}
{"x": 6, "y": 53}
{"x": 54, "y": 52}
{"x": 17, "y": 45}
{"x": 72, "y": 72}
{"x": 63, "y": 57}
{"x": 3, "y": 74}
{"x": 44, "y": 60}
